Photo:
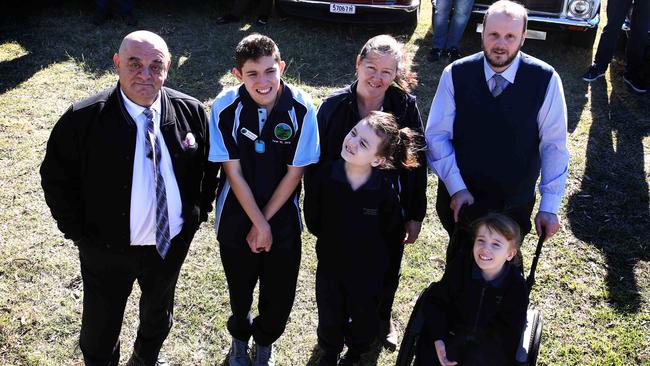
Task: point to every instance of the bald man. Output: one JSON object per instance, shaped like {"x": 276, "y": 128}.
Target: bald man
{"x": 127, "y": 180}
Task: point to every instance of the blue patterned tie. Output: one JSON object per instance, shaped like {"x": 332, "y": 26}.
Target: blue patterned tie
{"x": 500, "y": 83}
{"x": 162, "y": 217}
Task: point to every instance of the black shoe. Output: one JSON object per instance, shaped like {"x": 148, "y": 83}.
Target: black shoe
{"x": 435, "y": 54}
{"x": 100, "y": 18}
{"x": 388, "y": 334}
{"x": 593, "y": 73}
{"x": 329, "y": 359}
{"x": 228, "y": 18}
{"x": 262, "y": 20}
{"x": 635, "y": 84}
{"x": 135, "y": 360}
{"x": 130, "y": 19}
{"x": 453, "y": 54}
{"x": 349, "y": 359}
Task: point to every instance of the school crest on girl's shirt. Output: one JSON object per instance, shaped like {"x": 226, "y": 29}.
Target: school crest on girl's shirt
{"x": 282, "y": 133}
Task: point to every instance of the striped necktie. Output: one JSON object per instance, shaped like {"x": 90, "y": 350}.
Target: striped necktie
{"x": 162, "y": 216}
{"x": 500, "y": 83}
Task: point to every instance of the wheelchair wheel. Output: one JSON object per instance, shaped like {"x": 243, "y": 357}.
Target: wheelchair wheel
{"x": 536, "y": 340}
{"x": 408, "y": 347}
{"x": 530, "y": 339}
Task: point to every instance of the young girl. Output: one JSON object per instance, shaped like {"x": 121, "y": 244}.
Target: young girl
{"x": 476, "y": 312}
{"x": 353, "y": 210}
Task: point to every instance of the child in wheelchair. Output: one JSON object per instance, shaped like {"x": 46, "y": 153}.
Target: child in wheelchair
{"x": 475, "y": 314}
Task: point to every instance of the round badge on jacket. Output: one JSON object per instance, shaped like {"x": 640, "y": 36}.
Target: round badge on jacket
{"x": 282, "y": 131}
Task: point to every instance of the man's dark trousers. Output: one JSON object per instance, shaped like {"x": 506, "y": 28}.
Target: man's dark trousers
{"x": 616, "y": 12}
{"x": 108, "y": 276}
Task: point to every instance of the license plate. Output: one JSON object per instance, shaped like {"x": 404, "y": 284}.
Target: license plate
{"x": 342, "y": 8}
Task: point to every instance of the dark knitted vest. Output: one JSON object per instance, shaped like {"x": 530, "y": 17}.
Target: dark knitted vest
{"x": 496, "y": 140}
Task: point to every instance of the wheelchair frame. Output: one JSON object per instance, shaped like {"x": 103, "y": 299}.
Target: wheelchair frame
{"x": 531, "y": 337}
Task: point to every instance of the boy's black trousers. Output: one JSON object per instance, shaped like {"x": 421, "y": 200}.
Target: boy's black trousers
{"x": 277, "y": 272}
{"x": 347, "y": 310}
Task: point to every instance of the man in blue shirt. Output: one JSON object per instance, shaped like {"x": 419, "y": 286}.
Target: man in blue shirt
{"x": 488, "y": 143}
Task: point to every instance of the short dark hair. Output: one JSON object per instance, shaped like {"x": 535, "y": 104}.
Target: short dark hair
{"x": 254, "y": 46}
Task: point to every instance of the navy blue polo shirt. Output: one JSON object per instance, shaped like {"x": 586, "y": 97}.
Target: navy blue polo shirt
{"x": 265, "y": 145}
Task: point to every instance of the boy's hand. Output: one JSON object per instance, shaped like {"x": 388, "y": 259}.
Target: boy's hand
{"x": 260, "y": 239}
{"x": 442, "y": 354}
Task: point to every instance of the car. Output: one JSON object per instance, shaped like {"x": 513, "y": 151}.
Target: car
{"x": 579, "y": 17}
{"x": 360, "y": 11}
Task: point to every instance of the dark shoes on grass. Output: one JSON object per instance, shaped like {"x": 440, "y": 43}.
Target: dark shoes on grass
{"x": 594, "y": 72}
{"x": 436, "y": 54}
{"x": 388, "y": 334}
{"x": 635, "y": 83}
{"x": 135, "y": 360}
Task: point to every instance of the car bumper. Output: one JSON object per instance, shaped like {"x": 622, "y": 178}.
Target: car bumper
{"x": 550, "y": 23}
{"x": 364, "y": 13}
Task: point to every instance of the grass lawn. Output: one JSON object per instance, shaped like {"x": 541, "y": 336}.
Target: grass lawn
{"x": 593, "y": 281}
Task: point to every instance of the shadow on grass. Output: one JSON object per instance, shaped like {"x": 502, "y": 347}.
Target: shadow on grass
{"x": 611, "y": 209}
{"x": 202, "y": 51}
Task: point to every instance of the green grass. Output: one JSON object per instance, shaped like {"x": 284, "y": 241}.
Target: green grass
{"x": 593, "y": 279}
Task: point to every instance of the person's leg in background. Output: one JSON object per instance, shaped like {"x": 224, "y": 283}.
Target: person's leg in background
{"x": 457, "y": 24}
{"x": 441, "y": 11}
{"x": 636, "y": 46}
{"x": 616, "y": 12}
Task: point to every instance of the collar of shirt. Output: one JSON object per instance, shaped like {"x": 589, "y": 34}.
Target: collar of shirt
{"x": 509, "y": 73}
{"x": 283, "y": 104}
{"x": 496, "y": 282}
{"x": 338, "y": 173}
{"x": 135, "y": 110}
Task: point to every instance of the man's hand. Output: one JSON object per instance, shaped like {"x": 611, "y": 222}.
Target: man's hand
{"x": 412, "y": 229}
{"x": 549, "y": 222}
{"x": 441, "y": 351}
{"x": 458, "y": 200}
{"x": 260, "y": 239}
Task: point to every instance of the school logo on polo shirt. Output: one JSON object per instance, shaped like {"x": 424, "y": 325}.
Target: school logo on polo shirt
{"x": 282, "y": 131}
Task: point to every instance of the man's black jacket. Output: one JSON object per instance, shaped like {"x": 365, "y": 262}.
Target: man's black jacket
{"x": 88, "y": 167}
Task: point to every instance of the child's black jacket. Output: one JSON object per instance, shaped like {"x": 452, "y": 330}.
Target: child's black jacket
{"x": 467, "y": 312}
{"x": 352, "y": 227}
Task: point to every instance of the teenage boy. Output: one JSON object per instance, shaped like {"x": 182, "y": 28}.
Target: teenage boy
{"x": 264, "y": 132}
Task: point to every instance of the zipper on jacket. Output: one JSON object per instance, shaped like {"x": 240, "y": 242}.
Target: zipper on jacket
{"x": 478, "y": 311}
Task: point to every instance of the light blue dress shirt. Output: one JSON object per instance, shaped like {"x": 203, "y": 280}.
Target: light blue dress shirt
{"x": 552, "y": 127}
